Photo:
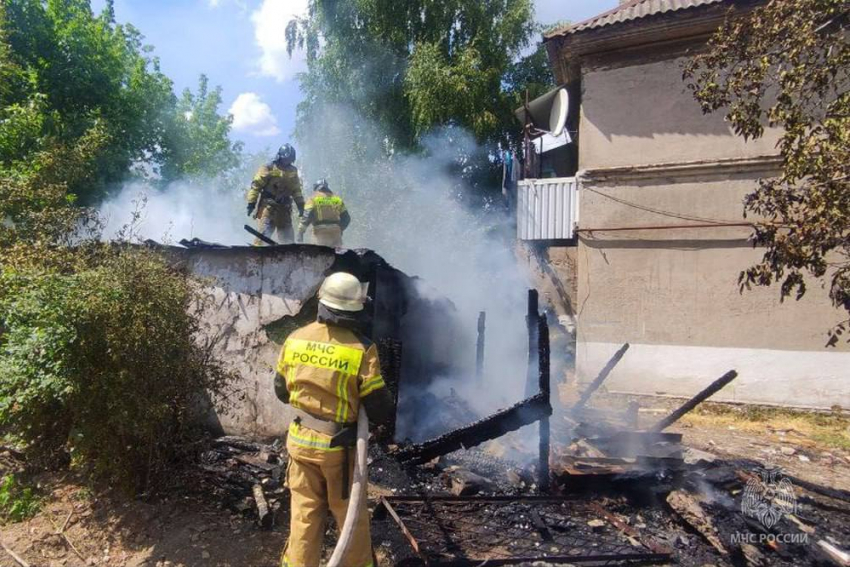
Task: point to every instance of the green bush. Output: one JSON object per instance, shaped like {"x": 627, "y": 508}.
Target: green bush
{"x": 17, "y": 503}
{"x": 104, "y": 363}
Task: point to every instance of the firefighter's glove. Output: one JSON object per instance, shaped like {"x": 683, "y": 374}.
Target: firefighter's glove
{"x": 250, "y": 210}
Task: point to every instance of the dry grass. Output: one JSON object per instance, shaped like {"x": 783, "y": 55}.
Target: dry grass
{"x": 821, "y": 429}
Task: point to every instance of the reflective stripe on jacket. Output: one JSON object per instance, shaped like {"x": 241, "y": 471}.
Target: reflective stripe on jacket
{"x": 324, "y": 209}
{"x": 327, "y": 369}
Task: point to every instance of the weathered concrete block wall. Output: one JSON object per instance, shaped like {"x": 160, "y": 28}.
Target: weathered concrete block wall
{"x": 250, "y": 289}
{"x": 256, "y": 296}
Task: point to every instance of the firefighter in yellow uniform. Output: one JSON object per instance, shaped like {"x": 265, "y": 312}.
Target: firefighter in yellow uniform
{"x": 275, "y": 187}
{"x": 325, "y": 371}
{"x": 327, "y": 214}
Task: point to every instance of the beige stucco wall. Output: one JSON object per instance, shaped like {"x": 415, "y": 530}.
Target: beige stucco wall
{"x": 674, "y": 294}
{"x": 644, "y": 114}
{"x": 681, "y": 286}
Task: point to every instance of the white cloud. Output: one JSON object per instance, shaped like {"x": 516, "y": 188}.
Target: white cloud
{"x": 270, "y": 21}
{"x": 252, "y": 115}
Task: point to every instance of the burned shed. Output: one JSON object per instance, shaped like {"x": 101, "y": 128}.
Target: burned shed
{"x": 257, "y": 296}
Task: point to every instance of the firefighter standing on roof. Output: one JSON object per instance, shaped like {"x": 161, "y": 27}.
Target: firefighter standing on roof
{"x": 325, "y": 371}
{"x": 327, "y": 214}
{"x": 275, "y": 187}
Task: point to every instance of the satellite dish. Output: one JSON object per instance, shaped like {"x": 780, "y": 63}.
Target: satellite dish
{"x": 547, "y": 113}
{"x": 558, "y": 113}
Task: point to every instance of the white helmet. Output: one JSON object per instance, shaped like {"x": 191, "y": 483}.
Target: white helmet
{"x": 343, "y": 291}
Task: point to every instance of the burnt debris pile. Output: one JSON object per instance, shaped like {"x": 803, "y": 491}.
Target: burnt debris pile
{"x": 597, "y": 489}
{"x": 245, "y": 476}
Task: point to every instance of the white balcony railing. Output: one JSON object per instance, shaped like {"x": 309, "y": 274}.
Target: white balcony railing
{"x": 547, "y": 209}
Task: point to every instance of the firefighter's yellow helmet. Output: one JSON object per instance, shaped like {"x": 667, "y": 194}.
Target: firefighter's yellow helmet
{"x": 343, "y": 291}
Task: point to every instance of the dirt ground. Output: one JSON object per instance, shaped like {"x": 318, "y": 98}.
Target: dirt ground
{"x": 106, "y": 529}
{"x": 813, "y": 447}
{"x": 78, "y": 527}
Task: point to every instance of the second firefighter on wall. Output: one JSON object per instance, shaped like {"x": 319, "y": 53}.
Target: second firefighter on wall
{"x": 276, "y": 187}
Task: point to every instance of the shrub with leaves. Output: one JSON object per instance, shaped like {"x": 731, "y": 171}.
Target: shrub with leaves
{"x": 105, "y": 362}
{"x": 787, "y": 64}
{"x": 17, "y": 502}
{"x": 101, "y": 357}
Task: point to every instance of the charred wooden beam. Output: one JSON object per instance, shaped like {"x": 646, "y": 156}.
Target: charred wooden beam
{"x": 390, "y": 355}
{"x": 603, "y": 375}
{"x": 264, "y": 515}
{"x": 507, "y": 420}
{"x": 543, "y": 376}
{"x": 691, "y": 511}
{"x": 479, "y": 350}
{"x": 260, "y": 235}
{"x": 834, "y": 493}
{"x": 712, "y": 389}
{"x": 531, "y": 321}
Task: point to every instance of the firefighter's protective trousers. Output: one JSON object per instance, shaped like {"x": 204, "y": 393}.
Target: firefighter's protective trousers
{"x": 315, "y": 483}
{"x": 328, "y": 371}
{"x": 275, "y": 222}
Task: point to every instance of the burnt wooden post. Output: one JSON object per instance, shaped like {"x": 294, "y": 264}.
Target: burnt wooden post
{"x": 479, "y": 351}
{"x": 390, "y": 355}
{"x": 543, "y": 376}
{"x": 531, "y": 320}
{"x": 585, "y": 396}
{"x": 712, "y": 389}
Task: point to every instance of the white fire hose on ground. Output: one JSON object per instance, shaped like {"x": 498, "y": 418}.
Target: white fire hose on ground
{"x": 357, "y": 498}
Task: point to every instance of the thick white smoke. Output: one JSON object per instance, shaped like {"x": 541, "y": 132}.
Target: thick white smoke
{"x": 414, "y": 211}
{"x": 181, "y": 210}
{"x": 410, "y": 209}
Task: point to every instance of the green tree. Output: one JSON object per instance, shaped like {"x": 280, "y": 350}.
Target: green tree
{"x": 198, "y": 144}
{"x": 67, "y": 71}
{"x": 101, "y": 354}
{"x": 787, "y": 64}
{"x": 88, "y": 71}
{"x": 410, "y": 67}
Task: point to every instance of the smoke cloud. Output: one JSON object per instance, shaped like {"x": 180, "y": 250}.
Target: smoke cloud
{"x": 414, "y": 211}
{"x": 180, "y": 210}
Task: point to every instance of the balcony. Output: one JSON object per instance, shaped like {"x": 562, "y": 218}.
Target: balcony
{"x": 547, "y": 209}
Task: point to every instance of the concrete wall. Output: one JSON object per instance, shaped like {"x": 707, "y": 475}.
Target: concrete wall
{"x": 248, "y": 290}
{"x": 256, "y": 296}
{"x": 643, "y": 114}
{"x": 674, "y": 294}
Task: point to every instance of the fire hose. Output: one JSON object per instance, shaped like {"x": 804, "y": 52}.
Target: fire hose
{"x": 357, "y": 499}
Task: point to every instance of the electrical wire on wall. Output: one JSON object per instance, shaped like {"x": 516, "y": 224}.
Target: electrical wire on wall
{"x": 670, "y": 214}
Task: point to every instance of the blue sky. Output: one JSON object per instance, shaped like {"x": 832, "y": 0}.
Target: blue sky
{"x": 239, "y": 45}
